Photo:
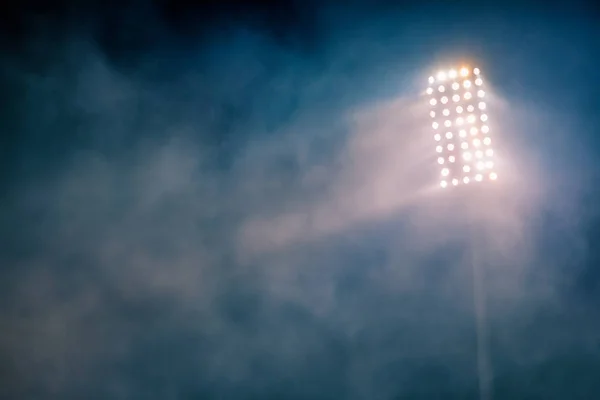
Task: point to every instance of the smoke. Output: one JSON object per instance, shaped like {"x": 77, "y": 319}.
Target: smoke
{"x": 256, "y": 223}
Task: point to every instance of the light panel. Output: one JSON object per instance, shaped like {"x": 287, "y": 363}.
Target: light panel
{"x": 458, "y": 109}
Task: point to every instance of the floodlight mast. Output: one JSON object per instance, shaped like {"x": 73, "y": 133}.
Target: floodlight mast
{"x": 465, "y": 156}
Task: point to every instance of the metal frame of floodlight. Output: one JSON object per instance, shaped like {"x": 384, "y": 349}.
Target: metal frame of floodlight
{"x": 459, "y": 121}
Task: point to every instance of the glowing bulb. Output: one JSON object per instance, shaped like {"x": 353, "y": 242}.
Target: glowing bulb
{"x": 446, "y": 112}
{"x": 467, "y": 95}
{"x": 485, "y": 129}
{"x": 455, "y": 86}
{"x": 481, "y": 105}
{"x": 476, "y": 142}
{"x": 456, "y": 98}
{"x": 435, "y": 125}
{"x": 466, "y": 179}
{"x": 470, "y": 108}
{"x": 442, "y": 88}
{"x": 459, "y": 121}
{"x": 431, "y": 79}
{"x": 473, "y": 131}
{"x": 448, "y": 135}
{"x": 464, "y": 145}
{"x": 440, "y": 160}
{"x": 480, "y": 93}
{"x": 476, "y": 71}
{"x": 437, "y": 137}
{"x": 447, "y": 123}
{"x": 444, "y": 100}
{"x": 445, "y": 171}
{"x": 429, "y": 90}
{"x": 455, "y": 181}
{"x": 450, "y": 147}
{"x": 478, "y": 177}
{"x": 467, "y": 156}
{"x": 443, "y": 184}
{"x": 439, "y": 149}
{"x": 467, "y": 84}
{"x": 451, "y": 159}
{"x": 452, "y": 74}
{"x": 441, "y": 76}
{"x": 471, "y": 119}
{"x": 462, "y": 133}
{"x": 433, "y": 102}
{"x": 484, "y": 117}
{"x": 478, "y": 81}
{"x": 464, "y": 71}
{"x": 459, "y": 110}
{"x": 493, "y": 176}
{"x": 487, "y": 141}
{"x": 432, "y": 114}
{"x": 466, "y": 168}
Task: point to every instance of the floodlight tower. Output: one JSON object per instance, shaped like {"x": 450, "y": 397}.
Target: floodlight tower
{"x": 465, "y": 156}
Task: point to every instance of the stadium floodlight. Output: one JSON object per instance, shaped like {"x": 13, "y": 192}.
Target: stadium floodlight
{"x": 468, "y": 111}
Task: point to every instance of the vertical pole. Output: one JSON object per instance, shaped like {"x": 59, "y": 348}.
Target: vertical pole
{"x": 484, "y": 368}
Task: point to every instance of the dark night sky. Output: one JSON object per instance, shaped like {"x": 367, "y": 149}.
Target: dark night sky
{"x": 235, "y": 201}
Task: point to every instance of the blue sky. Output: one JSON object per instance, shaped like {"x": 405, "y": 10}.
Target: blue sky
{"x": 241, "y": 203}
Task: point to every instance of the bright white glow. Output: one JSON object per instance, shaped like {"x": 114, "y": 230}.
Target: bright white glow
{"x": 444, "y": 100}
{"x": 476, "y": 142}
{"x": 480, "y": 93}
{"x": 433, "y": 102}
{"x": 493, "y": 176}
{"x": 459, "y": 121}
{"x": 466, "y": 179}
{"x": 442, "y": 88}
{"x": 467, "y": 96}
{"x": 443, "y": 184}
{"x": 478, "y": 177}
{"x": 470, "y": 108}
{"x": 484, "y": 117}
{"x": 450, "y": 147}
{"x": 489, "y": 152}
{"x": 445, "y": 171}
{"x": 429, "y": 90}
{"x": 476, "y": 71}
{"x": 462, "y": 133}
{"x": 455, "y": 86}
{"x": 456, "y": 98}
{"x": 446, "y": 112}
{"x": 437, "y": 137}
{"x": 441, "y": 76}
{"x": 480, "y": 165}
{"x": 478, "y": 81}
{"x": 478, "y": 154}
{"x": 464, "y": 71}
{"x": 459, "y": 110}
{"x": 471, "y": 119}
{"x": 489, "y": 164}
{"x": 464, "y": 145}
{"x": 467, "y": 84}
{"x": 451, "y": 159}
{"x": 481, "y": 105}
{"x": 473, "y": 131}
{"x": 447, "y": 123}
{"x": 455, "y": 181}
{"x": 432, "y": 114}
{"x": 431, "y": 79}
{"x": 452, "y": 74}
{"x": 439, "y": 149}
{"x": 487, "y": 141}
{"x": 448, "y": 135}
{"x": 435, "y": 125}
{"x": 467, "y": 156}
{"x": 485, "y": 129}
{"x": 466, "y": 168}
{"x": 440, "y": 160}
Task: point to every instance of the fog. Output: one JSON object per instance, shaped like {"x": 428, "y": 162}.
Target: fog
{"x": 240, "y": 219}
